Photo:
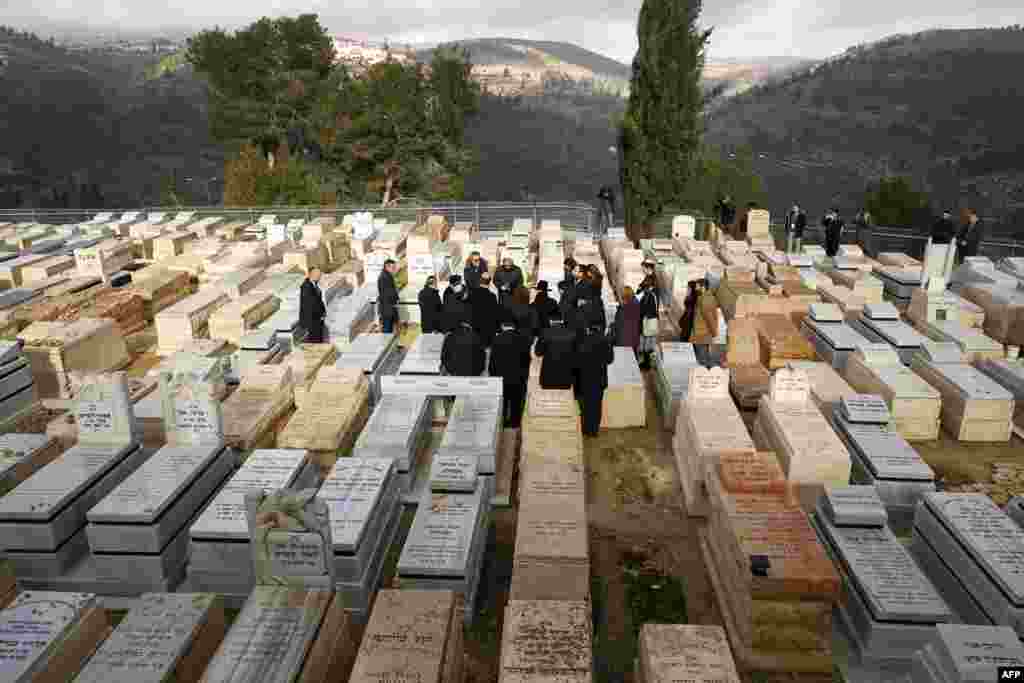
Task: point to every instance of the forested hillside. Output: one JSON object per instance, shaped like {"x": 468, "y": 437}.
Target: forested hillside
{"x": 940, "y": 107}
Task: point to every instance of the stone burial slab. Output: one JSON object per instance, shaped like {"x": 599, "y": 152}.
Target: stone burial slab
{"x": 395, "y": 429}
{"x": 152, "y": 505}
{"x": 865, "y": 409}
{"x": 47, "y": 636}
{"x": 891, "y": 606}
{"x": 443, "y": 536}
{"x": 454, "y": 471}
{"x": 362, "y": 497}
{"x": 677, "y": 652}
{"x": 961, "y": 653}
{"x": 192, "y": 414}
{"x": 546, "y": 641}
{"x": 49, "y": 507}
{"x": 473, "y": 428}
{"x": 1015, "y": 510}
{"x": 270, "y": 639}
{"x": 424, "y": 356}
{"x": 412, "y": 635}
{"x": 291, "y": 538}
{"x": 21, "y": 455}
{"x": 440, "y": 387}
{"x": 982, "y": 546}
{"x": 219, "y": 538}
{"x": 853, "y": 506}
{"x": 166, "y": 636}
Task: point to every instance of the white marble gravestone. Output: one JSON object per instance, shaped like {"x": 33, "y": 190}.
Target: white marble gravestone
{"x": 454, "y": 471}
{"x": 192, "y": 416}
{"x": 291, "y": 538}
{"x": 865, "y": 409}
{"x": 32, "y": 628}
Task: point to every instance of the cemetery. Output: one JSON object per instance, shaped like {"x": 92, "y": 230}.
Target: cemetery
{"x": 831, "y": 489}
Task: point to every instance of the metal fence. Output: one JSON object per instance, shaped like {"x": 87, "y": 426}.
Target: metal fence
{"x": 490, "y": 216}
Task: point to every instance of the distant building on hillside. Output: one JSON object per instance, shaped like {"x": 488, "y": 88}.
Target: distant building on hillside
{"x": 359, "y": 55}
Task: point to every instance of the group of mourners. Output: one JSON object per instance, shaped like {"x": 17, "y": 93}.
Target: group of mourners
{"x": 570, "y": 335}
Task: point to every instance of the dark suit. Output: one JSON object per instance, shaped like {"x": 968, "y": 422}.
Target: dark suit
{"x": 430, "y": 310}
{"x": 557, "y": 346}
{"x": 593, "y": 354}
{"x": 312, "y": 312}
{"x": 463, "y": 354}
{"x": 387, "y": 301}
{"x": 510, "y": 360}
{"x": 484, "y": 307}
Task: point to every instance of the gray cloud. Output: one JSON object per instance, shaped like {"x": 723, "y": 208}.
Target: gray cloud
{"x": 813, "y": 28}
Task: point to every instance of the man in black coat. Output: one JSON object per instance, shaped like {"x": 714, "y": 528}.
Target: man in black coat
{"x": 387, "y": 297}
{"x": 594, "y": 353}
{"x": 312, "y": 309}
{"x": 943, "y": 231}
{"x": 834, "y": 226}
{"x": 569, "y": 271}
{"x": 510, "y": 360}
{"x": 430, "y": 307}
{"x": 544, "y": 306}
{"x": 969, "y": 239}
{"x": 485, "y": 309}
{"x": 462, "y": 354}
{"x": 557, "y": 348}
{"x": 455, "y": 307}
{"x": 507, "y": 278}
{"x": 475, "y": 266}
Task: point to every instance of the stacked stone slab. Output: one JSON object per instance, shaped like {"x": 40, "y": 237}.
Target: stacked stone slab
{"x": 880, "y": 323}
{"x": 625, "y": 399}
{"x": 17, "y": 388}
{"x": 264, "y": 395}
{"x": 899, "y": 282}
{"x": 220, "y": 555}
{"x": 424, "y": 356}
{"x": 775, "y": 585}
{"x": 827, "y": 387}
{"x": 672, "y": 368}
{"x": 749, "y": 380}
{"x": 781, "y": 341}
{"x": 974, "y": 406}
{"x": 914, "y": 405}
{"x": 890, "y": 608}
{"x": 811, "y": 454}
{"x": 331, "y": 412}
{"x": 163, "y": 635}
{"x": 138, "y": 534}
{"x": 445, "y": 546}
{"x": 395, "y": 431}
{"x": 284, "y": 634}
{"x": 49, "y": 636}
{"x": 237, "y": 318}
{"x": 42, "y": 521}
{"x": 833, "y": 340}
{"x": 473, "y": 428}
{"x": 708, "y": 426}
{"x": 546, "y": 641}
{"x": 936, "y": 313}
{"x": 974, "y": 553}
{"x": 1010, "y": 375}
{"x": 363, "y": 501}
{"x": 187, "y": 320}
{"x": 882, "y": 458}
{"x": 677, "y": 652}
{"x": 412, "y": 636}
{"x": 374, "y": 354}
{"x": 551, "y": 559}
{"x": 57, "y": 350}
{"x": 961, "y": 653}
{"x": 21, "y": 455}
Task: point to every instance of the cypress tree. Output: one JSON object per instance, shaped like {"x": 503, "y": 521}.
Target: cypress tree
{"x": 659, "y": 136}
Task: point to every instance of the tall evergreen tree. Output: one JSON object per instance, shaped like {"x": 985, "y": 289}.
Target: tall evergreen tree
{"x": 659, "y": 136}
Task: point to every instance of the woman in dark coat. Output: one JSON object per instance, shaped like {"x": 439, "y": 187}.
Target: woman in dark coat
{"x": 518, "y": 311}
{"x": 689, "y": 311}
{"x": 430, "y": 307}
{"x": 626, "y": 328}
{"x": 647, "y": 294}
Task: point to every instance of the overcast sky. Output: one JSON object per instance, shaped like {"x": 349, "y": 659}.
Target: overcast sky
{"x": 743, "y": 28}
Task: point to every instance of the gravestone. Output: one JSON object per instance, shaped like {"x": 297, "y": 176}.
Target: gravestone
{"x": 961, "y": 653}
{"x": 443, "y": 535}
{"x": 38, "y": 631}
{"x": 290, "y": 535}
{"x": 865, "y": 409}
{"x": 103, "y": 410}
{"x": 857, "y": 506}
{"x": 790, "y": 385}
{"x": 192, "y": 415}
{"x": 546, "y": 640}
{"x": 454, "y": 471}
{"x": 270, "y": 637}
{"x": 164, "y": 636}
{"x": 676, "y": 652}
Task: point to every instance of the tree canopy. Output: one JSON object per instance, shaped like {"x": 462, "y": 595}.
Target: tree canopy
{"x": 394, "y": 131}
{"x": 895, "y": 202}
{"x": 659, "y": 135}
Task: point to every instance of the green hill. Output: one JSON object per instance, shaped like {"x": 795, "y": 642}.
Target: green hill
{"x": 941, "y": 107}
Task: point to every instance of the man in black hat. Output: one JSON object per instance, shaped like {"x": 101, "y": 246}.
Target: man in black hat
{"x": 462, "y": 353}
{"x": 455, "y": 307}
{"x": 484, "y": 306}
{"x": 556, "y": 347}
{"x": 387, "y": 297}
{"x": 430, "y": 307}
{"x": 943, "y": 231}
{"x": 507, "y": 279}
{"x": 594, "y": 353}
{"x": 544, "y": 306}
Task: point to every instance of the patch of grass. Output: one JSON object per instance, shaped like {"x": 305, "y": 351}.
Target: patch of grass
{"x": 651, "y": 596}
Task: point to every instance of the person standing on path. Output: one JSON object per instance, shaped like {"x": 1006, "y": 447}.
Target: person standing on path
{"x": 312, "y": 309}
{"x": 430, "y": 307}
{"x": 387, "y": 297}
{"x": 475, "y": 266}
{"x": 647, "y": 295}
{"x": 626, "y": 328}
{"x": 594, "y": 353}
{"x": 507, "y": 279}
{"x": 510, "y": 360}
